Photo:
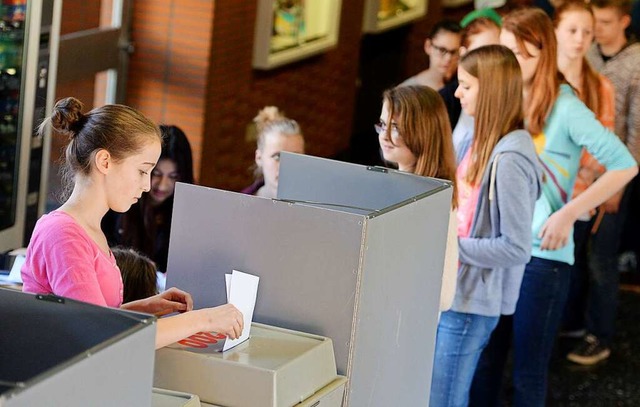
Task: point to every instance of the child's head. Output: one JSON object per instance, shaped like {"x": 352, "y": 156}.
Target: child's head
{"x": 415, "y": 133}
{"x": 573, "y": 21}
{"x": 612, "y": 19}
{"x": 175, "y": 164}
{"x": 530, "y": 35}
{"x": 276, "y": 133}
{"x": 479, "y": 32}
{"x": 490, "y": 82}
{"x": 113, "y": 143}
{"x": 138, "y": 274}
{"x": 442, "y": 46}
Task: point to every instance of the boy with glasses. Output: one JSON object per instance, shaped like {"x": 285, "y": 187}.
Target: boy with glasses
{"x": 442, "y": 47}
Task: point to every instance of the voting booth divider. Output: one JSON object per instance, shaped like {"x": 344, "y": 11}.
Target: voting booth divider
{"x": 60, "y": 352}
{"x": 347, "y": 252}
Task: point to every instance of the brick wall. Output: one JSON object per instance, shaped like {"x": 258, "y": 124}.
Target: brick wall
{"x": 168, "y": 71}
{"x": 318, "y": 92}
{"x": 192, "y": 68}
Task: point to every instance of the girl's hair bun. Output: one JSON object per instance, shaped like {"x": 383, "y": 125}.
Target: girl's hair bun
{"x": 267, "y": 115}
{"x": 67, "y": 117}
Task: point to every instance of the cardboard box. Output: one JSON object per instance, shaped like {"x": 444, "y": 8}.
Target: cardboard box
{"x": 170, "y": 398}
{"x": 280, "y": 367}
{"x": 60, "y": 352}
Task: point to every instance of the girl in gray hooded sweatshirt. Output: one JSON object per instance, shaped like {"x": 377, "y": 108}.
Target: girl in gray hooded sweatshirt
{"x": 498, "y": 183}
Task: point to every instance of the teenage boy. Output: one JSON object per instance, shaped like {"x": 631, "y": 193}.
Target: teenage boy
{"x": 618, "y": 59}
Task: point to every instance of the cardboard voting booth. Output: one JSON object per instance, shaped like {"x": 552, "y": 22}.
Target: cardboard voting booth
{"x": 59, "y": 352}
{"x": 349, "y": 252}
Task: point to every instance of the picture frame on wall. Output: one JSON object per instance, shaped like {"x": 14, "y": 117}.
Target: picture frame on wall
{"x": 383, "y": 15}
{"x": 291, "y": 30}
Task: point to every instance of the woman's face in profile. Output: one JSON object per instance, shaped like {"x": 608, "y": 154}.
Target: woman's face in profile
{"x": 163, "y": 181}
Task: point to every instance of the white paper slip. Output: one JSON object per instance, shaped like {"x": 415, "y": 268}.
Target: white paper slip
{"x": 242, "y": 293}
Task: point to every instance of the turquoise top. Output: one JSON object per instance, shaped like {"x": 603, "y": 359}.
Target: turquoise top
{"x": 569, "y": 127}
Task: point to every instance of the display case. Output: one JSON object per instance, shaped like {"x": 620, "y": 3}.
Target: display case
{"x": 290, "y": 30}
{"x": 382, "y": 15}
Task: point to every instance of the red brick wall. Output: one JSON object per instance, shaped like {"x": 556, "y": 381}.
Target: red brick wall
{"x": 168, "y": 71}
{"x": 192, "y": 68}
{"x": 318, "y": 92}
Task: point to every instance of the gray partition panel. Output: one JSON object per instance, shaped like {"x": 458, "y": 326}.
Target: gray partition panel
{"x": 307, "y": 258}
{"x": 307, "y": 178}
{"x": 398, "y": 307}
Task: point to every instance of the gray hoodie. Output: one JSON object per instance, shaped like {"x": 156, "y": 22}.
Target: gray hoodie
{"x": 493, "y": 258}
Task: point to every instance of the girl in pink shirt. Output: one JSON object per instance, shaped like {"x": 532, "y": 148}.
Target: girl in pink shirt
{"x": 108, "y": 161}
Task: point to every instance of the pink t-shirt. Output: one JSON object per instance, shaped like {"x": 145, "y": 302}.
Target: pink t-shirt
{"x": 63, "y": 260}
{"x": 467, "y": 197}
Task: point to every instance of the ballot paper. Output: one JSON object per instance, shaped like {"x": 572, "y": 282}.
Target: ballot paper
{"x": 242, "y": 291}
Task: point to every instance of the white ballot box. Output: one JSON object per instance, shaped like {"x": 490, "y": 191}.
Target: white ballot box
{"x": 349, "y": 252}
{"x": 275, "y": 367}
{"x": 59, "y": 352}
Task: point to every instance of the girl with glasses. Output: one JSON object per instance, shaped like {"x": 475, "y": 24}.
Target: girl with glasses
{"x": 414, "y": 133}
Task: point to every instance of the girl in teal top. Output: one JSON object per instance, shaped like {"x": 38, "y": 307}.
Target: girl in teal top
{"x": 561, "y": 126}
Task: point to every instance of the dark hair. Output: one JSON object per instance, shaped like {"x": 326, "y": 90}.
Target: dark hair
{"x": 623, "y": 6}
{"x": 138, "y": 274}
{"x": 444, "y": 25}
{"x": 119, "y": 129}
{"x": 177, "y": 148}
{"x": 145, "y": 226}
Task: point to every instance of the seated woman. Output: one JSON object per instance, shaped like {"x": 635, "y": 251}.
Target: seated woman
{"x": 275, "y": 133}
{"x": 146, "y": 227}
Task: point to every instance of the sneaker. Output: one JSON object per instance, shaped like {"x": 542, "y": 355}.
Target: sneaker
{"x": 589, "y": 352}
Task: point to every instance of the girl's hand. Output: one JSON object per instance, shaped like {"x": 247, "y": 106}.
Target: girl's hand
{"x": 224, "y": 319}
{"x": 167, "y": 302}
{"x": 556, "y": 230}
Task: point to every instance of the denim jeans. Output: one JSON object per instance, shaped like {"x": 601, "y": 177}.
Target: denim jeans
{"x": 574, "y": 311}
{"x": 534, "y": 326}
{"x": 602, "y": 296}
{"x": 459, "y": 343}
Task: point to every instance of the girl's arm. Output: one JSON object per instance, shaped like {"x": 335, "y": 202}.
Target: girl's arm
{"x": 224, "y": 319}
{"x": 556, "y": 230}
{"x": 516, "y": 188}
{"x": 585, "y": 130}
{"x": 167, "y": 302}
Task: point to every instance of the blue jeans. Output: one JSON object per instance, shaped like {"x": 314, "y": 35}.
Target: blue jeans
{"x": 602, "y": 297}
{"x": 461, "y": 338}
{"x": 534, "y": 325}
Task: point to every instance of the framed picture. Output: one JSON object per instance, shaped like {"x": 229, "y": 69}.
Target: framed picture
{"x": 382, "y": 15}
{"x": 290, "y": 30}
